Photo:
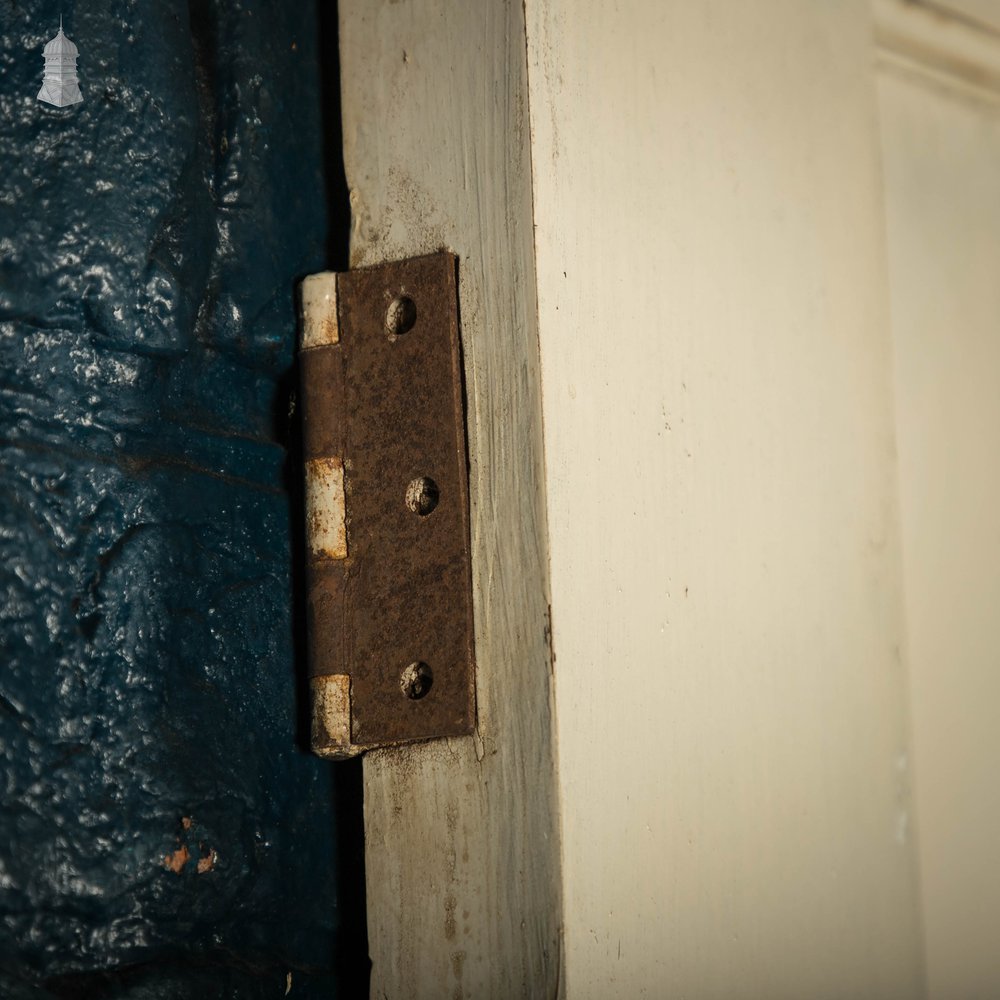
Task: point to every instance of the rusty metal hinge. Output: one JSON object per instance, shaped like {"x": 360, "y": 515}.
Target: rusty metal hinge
{"x": 387, "y": 507}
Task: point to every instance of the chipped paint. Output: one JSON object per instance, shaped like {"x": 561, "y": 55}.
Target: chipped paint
{"x": 319, "y": 310}
{"x": 326, "y": 519}
{"x": 331, "y": 714}
{"x": 207, "y": 861}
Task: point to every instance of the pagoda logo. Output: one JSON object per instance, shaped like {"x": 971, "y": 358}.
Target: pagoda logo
{"x": 60, "y": 85}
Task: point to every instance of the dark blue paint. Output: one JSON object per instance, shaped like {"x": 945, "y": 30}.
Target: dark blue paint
{"x": 150, "y": 240}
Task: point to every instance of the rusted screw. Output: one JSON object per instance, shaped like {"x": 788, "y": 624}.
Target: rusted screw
{"x": 422, "y": 495}
{"x": 416, "y": 680}
{"x": 401, "y": 316}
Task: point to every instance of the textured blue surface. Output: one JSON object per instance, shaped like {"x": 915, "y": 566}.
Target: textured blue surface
{"x": 150, "y": 240}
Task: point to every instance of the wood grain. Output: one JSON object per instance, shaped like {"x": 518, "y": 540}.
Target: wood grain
{"x": 462, "y": 836}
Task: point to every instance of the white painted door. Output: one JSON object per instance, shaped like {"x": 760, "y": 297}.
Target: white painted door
{"x": 715, "y": 357}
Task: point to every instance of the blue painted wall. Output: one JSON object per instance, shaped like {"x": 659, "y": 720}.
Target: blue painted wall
{"x": 150, "y": 241}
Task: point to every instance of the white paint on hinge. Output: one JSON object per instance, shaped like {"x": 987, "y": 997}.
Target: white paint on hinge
{"x": 330, "y": 698}
{"x": 326, "y": 515}
{"x": 320, "y": 323}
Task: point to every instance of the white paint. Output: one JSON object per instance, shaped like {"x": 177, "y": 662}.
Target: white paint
{"x": 330, "y": 708}
{"x": 461, "y": 835}
{"x": 326, "y": 517}
{"x": 722, "y": 512}
{"x": 320, "y": 323}
{"x": 941, "y": 150}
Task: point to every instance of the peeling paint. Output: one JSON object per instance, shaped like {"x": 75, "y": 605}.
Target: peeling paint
{"x": 326, "y": 516}
{"x": 176, "y": 860}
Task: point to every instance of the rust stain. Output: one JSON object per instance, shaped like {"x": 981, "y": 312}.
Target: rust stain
{"x": 449, "y": 918}
{"x": 176, "y": 861}
{"x": 457, "y": 968}
{"x": 207, "y": 860}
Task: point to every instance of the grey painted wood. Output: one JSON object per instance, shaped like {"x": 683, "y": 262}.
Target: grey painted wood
{"x": 462, "y": 835}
